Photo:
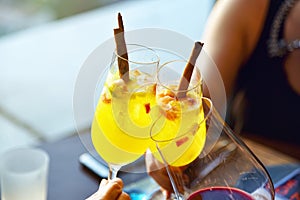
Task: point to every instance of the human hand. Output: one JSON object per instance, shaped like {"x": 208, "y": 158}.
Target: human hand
{"x": 110, "y": 190}
{"x": 158, "y": 172}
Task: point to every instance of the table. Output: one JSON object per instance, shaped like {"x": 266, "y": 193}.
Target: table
{"x": 269, "y": 156}
{"x": 69, "y": 180}
{"x": 279, "y": 146}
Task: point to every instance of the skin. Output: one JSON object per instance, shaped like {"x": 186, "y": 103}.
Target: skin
{"x": 232, "y": 18}
{"x": 159, "y": 173}
{"x": 110, "y": 190}
{"x": 232, "y": 31}
{"x": 229, "y": 50}
{"x": 240, "y": 23}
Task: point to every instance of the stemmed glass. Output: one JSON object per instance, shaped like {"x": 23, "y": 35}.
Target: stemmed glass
{"x": 122, "y": 116}
{"x": 180, "y": 114}
{"x": 203, "y": 157}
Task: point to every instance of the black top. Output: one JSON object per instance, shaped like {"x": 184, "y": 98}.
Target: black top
{"x": 271, "y": 106}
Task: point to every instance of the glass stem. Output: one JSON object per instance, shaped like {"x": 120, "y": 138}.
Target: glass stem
{"x": 113, "y": 171}
{"x": 177, "y": 195}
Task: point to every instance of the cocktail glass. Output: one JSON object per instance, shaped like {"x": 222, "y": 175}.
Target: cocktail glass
{"x": 203, "y": 157}
{"x": 122, "y": 119}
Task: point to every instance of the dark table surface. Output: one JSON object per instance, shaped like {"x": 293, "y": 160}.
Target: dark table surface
{"x": 68, "y": 179}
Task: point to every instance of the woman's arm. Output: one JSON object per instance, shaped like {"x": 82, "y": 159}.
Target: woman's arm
{"x": 229, "y": 38}
{"x": 231, "y": 33}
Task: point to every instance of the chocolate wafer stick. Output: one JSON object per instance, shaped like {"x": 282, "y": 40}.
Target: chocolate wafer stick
{"x": 121, "y": 50}
{"x": 188, "y": 71}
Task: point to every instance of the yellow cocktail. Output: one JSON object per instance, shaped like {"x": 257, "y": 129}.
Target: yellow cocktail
{"x": 181, "y": 130}
{"x": 182, "y": 136}
{"x": 122, "y": 118}
{"x": 125, "y": 110}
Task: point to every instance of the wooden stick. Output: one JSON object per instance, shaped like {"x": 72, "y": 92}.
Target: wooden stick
{"x": 120, "y": 22}
{"x": 188, "y": 71}
{"x": 121, "y": 50}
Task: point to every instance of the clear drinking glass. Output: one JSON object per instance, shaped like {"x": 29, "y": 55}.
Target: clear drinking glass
{"x": 203, "y": 157}
{"x": 24, "y": 174}
{"x": 122, "y": 118}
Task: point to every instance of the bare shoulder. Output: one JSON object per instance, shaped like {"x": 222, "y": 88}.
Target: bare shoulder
{"x": 231, "y": 33}
{"x": 243, "y": 14}
{"x": 254, "y": 21}
{"x": 240, "y": 19}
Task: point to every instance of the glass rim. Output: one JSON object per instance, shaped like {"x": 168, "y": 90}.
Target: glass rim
{"x": 41, "y": 158}
{"x": 177, "y": 90}
{"x": 209, "y": 113}
{"x": 141, "y": 47}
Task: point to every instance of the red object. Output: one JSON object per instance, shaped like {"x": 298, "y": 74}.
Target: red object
{"x": 147, "y": 107}
{"x": 181, "y": 141}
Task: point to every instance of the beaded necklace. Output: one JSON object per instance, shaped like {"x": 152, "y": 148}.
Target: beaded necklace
{"x": 276, "y": 47}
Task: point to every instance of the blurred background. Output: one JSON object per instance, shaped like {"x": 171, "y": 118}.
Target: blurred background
{"x": 43, "y": 44}
{"x": 30, "y": 79}
{"x": 16, "y": 15}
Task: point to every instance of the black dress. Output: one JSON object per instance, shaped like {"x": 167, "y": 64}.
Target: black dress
{"x": 271, "y": 106}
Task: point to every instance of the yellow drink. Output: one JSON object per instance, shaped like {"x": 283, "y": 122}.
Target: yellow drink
{"x": 108, "y": 151}
{"x": 182, "y": 137}
{"x": 121, "y": 126}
